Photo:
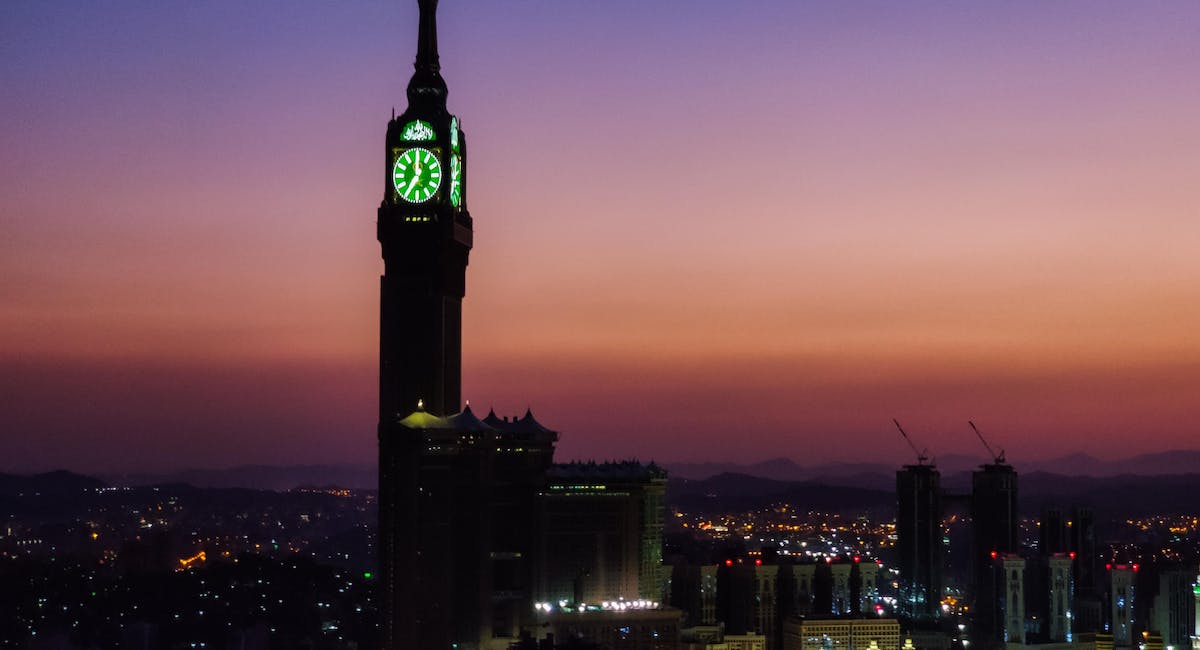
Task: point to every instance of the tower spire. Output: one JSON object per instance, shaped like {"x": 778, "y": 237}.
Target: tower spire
{"x": 427, "y": 89}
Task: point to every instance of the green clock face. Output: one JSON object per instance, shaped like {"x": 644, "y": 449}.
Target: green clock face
{"x": 417, "y": 174}
{"x": 455, "y": 181}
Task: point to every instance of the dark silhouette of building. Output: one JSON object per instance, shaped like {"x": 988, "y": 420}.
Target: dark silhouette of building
{"x": 524, "y": 454}
{"x": 736, "y": 591}
{"x": 436, "y": 473}
{"x": 1072, "y": 532}
{"x": 994, "y": 524}
{"x": 600, "y": 533}
{"x": 471, "y": 523}
{"x": 435, "y": 530}
{"x": 426, "y": 234}
{"x": 694, "y": 592}
{"x": 919, "y": 548}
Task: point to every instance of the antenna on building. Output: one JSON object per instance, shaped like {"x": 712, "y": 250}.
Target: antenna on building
{"x": 922, "y": 455}
{"x": 998, "y": 458}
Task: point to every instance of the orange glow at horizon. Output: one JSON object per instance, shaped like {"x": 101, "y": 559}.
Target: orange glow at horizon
{"x": 681, "y": 252}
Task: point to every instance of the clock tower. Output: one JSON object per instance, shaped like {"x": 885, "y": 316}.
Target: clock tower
{"x": 433, "y": 582}
{"x": 425, "y": 231}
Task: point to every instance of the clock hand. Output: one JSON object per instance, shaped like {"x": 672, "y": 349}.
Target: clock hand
{"x": 411, "y": 183}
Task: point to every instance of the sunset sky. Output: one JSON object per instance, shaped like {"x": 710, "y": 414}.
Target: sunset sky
{"x": 704, "y": 230}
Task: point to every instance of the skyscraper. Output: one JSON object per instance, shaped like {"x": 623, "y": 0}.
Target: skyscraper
{"x": 426, "y": 235}
{"x": 919, "y": 540}
{"x": 994, "y": 523}
{"x": 1121, "y": 596}
{"x": 600, "y": 533}
{"x": 434, "y": 472}
{"x": 1172, "y": 610}
{"x": 1060, "y": 596}
{"x": 1012, "y": 571}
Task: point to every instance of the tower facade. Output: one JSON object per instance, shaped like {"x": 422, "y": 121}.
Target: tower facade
{"x": 600, "y": 527}
{"x": 425, "y": 232}
{"x": 1012, "y": 570}
{"x": 1196, "y": 626}
{"x": 919, "y": 540}
{"x": 994, "y": 523}
{"x": 1121, "y": 596}
{"x": 1061, "y": 595}
{"x": 432, "y": 476}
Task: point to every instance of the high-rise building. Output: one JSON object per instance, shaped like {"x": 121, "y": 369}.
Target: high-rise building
{"x": 994, "y": 523}
{"x": 1061, "y": 590}
{"x": 919, "y": 549}
{"x": 1121, "y": 600}
{"x": 803, "y": 595}
{"x": 425, "y": 232}
{"x": 841, "y": 595}
{"x": 1012, "y": 570}
{"x": 1072, "y": 533}
{"x": 1172, "y": 611}
{"x": 449, "y": 576}
{"x": 767, "y": 603}
{"x": 694, "y": 591}
{"x": 600, "y": 533}
{"x": 736, "y": 591}
{"x": 524, "y": 454}
{"x": 1196, "y": 625}
{"x": 868, "y": 589}
{"x": 435, "y": 530}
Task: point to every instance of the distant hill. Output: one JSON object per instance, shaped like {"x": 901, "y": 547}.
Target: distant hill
{"x": 880, "y": 474}
{"x": 1110, "y": 496}
{"x": 262, "y": 477}
{"x": 731, "y": 491}
{"x": 1120, "y": 495}
{"x": 57, "y": 483}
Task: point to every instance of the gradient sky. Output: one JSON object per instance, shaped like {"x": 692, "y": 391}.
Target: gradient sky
{"x": 704, "y": 230}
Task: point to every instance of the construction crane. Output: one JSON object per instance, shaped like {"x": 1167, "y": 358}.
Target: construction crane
{"x": 922, "y": 455}
{"x": 999, "y": 458}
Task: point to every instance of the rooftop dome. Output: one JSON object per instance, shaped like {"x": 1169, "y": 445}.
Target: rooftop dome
{"x": 422, "y": 419}
{"x": 467, "y": 422}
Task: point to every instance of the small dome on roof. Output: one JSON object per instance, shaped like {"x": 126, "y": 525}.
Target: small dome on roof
{"x": 492, "y": 420}
{"x": 528, "y": 424}
{"x": 467, "y": 422}
{"x": 422, "y": 419}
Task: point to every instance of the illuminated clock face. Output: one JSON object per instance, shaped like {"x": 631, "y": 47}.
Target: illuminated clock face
{"x": 455, "y": 181}
{"x": 417, "y": 175}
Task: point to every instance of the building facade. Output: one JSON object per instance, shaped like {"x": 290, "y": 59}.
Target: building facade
{"x": 841, "y": 634}
{"x": 1121, "y": 600}
{"x": 994, "y": 524}
{"x": 1061, "y": 597}
{"x": 654, "y": 628}
{"x": 919, "y": 548}
{"x": 457, "y": 495}
{"x": 600, "y": 533}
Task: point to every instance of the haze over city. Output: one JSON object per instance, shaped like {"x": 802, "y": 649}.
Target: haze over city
{"x": 704, "y": 230}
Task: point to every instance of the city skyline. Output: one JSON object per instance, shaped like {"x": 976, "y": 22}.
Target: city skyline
{"x": 958, "y": 213}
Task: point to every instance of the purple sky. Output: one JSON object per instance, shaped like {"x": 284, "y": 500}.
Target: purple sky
{"x": 704, "y": 230}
